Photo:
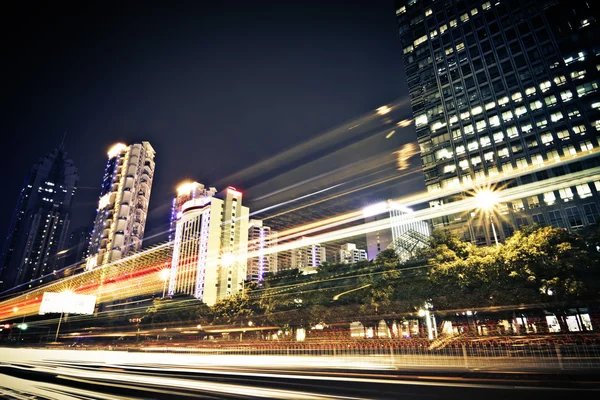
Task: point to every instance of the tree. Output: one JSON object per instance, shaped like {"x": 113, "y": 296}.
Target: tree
{"x": 387, "y": 258}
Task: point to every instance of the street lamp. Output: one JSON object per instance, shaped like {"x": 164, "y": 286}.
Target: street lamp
{"x": 486, "y": 200}
{"x": 164, "y": 275}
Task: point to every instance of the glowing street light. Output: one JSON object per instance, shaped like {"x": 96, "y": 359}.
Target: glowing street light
{"x": 486, "y": 201}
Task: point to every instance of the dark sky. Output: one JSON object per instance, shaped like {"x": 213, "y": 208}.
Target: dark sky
{"x": 214, "y": 88}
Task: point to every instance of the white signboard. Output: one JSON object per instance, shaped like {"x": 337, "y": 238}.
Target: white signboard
{"x": 67, "y": 302}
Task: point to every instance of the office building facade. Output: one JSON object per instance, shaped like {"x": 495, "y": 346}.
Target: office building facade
{"x": 185, "y": 192}
{"x": 40, "y": 223}
{"x": 349, "y": 254}
{"x": 260, "y": 261}
{"x": 210, "y": 247}
{"x": 505, "y": 94}
{"x": 123, "y": 204}
{"x": 308, "y": 258}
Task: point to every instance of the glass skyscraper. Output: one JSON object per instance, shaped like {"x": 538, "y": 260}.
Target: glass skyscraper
{"x": 505, "y": 95}
{"x": 40, "y": 223}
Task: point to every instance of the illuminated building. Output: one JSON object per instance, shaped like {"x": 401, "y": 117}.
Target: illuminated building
{"x": 308, "y": 258}
{"x": 406, "y": 234}
{"x": 210, "y": 247}
{"x": 349, "y": 254}
{"x": 260, "y": 238}
{"x": 185, "y": 192}
{"x": 40, "y": 222}
{"x": 123, "y": 204}
{"x": 499, "y": 88}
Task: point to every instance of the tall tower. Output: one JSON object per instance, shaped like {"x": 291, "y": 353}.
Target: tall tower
{"x": 40, "y": 223}
{"x": 210, "y": 247}
{"x": 260, "y": 238}
{"x": 185, "y": 192}
{"x": 505, "y": 94}
{"x": 123, "y": 204}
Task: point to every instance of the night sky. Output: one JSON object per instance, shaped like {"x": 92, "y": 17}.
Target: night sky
{"x": 214, "y": 88}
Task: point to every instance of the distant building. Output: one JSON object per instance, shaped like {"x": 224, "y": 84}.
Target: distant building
{"x": 186, "y": 192}
{"x": 260, "y": 239}
{"x": 210, "y": 247}
{"x": 308, "y": 258}
{"x": 77, "y": 250}
{"x": 123, "y": 204}
{"x": 405, "y": 233}
{"x": 40, "y": 223}
{"x": 349, "y": 254}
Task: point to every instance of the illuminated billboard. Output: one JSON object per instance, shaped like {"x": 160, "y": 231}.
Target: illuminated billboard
{"x": 67, "y": 302}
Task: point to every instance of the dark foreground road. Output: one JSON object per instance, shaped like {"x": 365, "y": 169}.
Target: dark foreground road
{"x": 60, "y": 374}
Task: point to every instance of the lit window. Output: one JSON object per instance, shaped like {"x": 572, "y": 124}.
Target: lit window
{"x": 476, "y": 110}
{"x": 468, "y": 129}
{"x": 474, "y": 11}
{"x": 566, "y": 95}
{"x": 401, "y": 10}
{"x": 549, "y": 198}
{"x": 503, "y": 101}
{"x": 569, "y": 150}
{"x": 545, "y": 86}
{"x": 489, "y": 106}
{"x": 579, "y": 129}
{"x": 566, "y": 194}
{"x": 443, "y": 154}
{"x": 488, "y": 156}
{"x": 530, "y": 91}
{"x": 463, "y": 164}
{"x": 526, "y": 128}
{"x": 433, "y": 34}
{"x": 421, "y": 120}
{"x": 480, "y": 125}
{"x": 485, "y": 141}
{"x": 507, "y": 167}
{"x": 463, "y": 18}
{"x": 521, "y": 163}
{"x": 537, "y": 159}
{"x": 464, "y": 115}
{"x": 428, "y": 12}
{"x": 560, "y": 80}
{"x": 449, "y": 51}
{"x": 550, "y": 100}
{"x": 460, "y": 149}
{"x": 583, "y": 191}
{"x": 587, "y": 88}
{"x": 486, "y": 6}
{"x": 573, "y": 112}
{"x": 507, "y": 115}
{"x": 472, "y": 145}
{"x": 494, "y": 120}
{"x": 535, "y": 105}
{"x": 596, "y": 124}
{"x": 557, "y": 116}
{"x": 503, "y": 153}
{"x": 498, "y": 137}
{"x": 546, "y": 138}
{"x": 553, "y": 155}
{"x": 476, "y": 160}
{"x": 512, "y": 132}
{"x": 520, "y": 111}
{"x": 460, "y": 47}
{"x": 453, "y": 23}
{"x": 578, "y": 74}
{"x": 453, "y": 119}
{"x": 420, "y": 40}
{"x": 587, "y": 146}
{"x": 456, "y": 134}
{"x": 408, "y": 49}
{"x": 596, "y": 105}
{"x": 516, "y": 97}
{"x": 449, "y": 168}
{"x": 443, "y": 29}
{"x": 563, "y": 135}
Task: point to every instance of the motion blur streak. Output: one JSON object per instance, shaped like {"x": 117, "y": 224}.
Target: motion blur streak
{"x": 302, "y": 150}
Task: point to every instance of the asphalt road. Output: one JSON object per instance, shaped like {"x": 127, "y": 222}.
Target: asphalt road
{"x": 72, "y": 374}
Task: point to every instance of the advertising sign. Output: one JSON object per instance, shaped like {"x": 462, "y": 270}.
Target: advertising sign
{"x": 67, "y": 302}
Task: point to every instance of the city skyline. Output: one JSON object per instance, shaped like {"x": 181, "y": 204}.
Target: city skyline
{"x": 183, "y": 100}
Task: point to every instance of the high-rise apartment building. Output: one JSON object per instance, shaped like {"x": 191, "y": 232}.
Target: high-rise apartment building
{"x": 349, "y": 254}
{"x": 123, "y": 204}
{"x": 308, "y": 258}
{"x": 210, "y": 247}
{"x": 40, "y": 223}
{"x": 505, "y": 94}
{"x": 260, "y": 239}
{"x": 185, "y": 192}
